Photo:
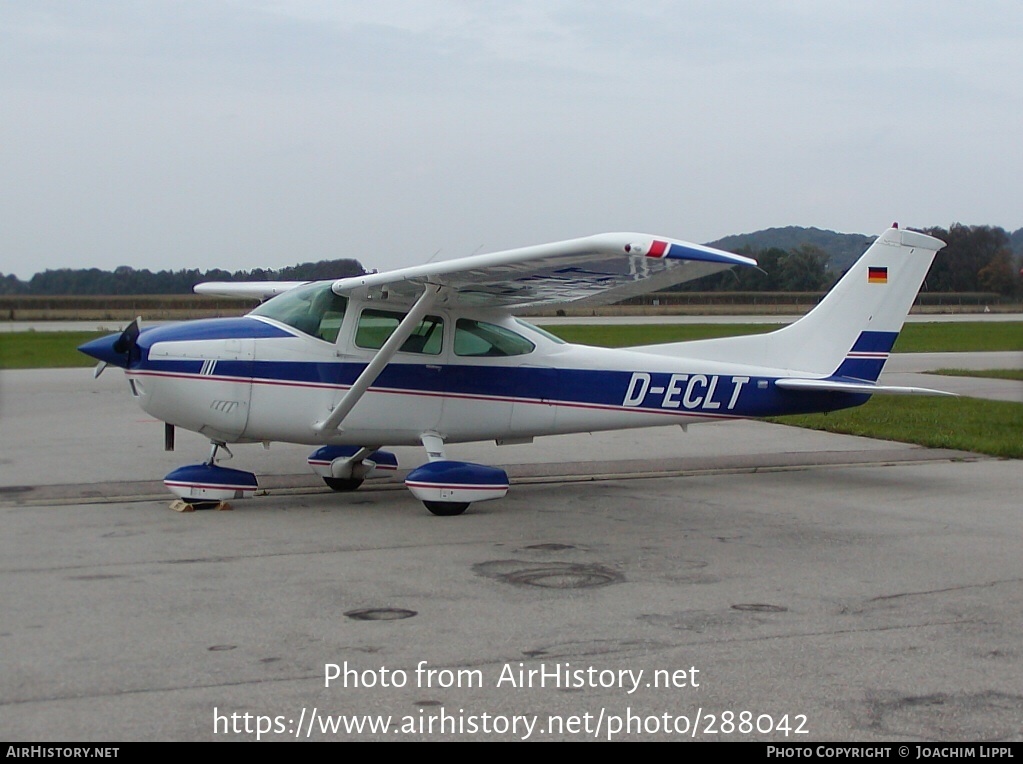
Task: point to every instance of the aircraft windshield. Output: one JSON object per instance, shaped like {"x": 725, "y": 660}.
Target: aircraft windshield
{"x": 313, "y": 309}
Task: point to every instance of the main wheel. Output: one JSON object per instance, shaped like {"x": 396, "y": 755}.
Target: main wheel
{"x": 343, "y": 484}
{"x": 446, "y": 508}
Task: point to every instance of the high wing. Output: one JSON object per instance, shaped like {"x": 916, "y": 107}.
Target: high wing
{"x": 255, "y": 290}
{"x": 595, "y": 270}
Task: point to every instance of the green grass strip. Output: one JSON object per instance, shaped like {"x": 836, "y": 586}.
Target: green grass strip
{"x": 44, "y": 350}
{"x": 965, "y": 424}
{"x": 25, "y": 350}
{"x": 937, "y": 337}
{"x": 960, "y": 337}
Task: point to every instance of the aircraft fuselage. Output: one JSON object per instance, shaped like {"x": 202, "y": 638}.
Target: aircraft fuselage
{"x": 257, "y": 379}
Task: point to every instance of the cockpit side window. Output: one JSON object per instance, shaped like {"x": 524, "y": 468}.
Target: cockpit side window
{"x": 375, "y": 326}
{"x": 313, "y": 309}
{"x": 477, "y": 338}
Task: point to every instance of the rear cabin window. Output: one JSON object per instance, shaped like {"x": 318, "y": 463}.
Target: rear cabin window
{"x": 313, "y": 309}
{"x": 480, "y": 339}
{"x": 375, "y": 326}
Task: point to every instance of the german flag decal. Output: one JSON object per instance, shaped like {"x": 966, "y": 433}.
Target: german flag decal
{"x": 877, "y": 275}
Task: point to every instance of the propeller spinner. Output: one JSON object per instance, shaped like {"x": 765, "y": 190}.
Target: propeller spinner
{"x": 114, "y": 349}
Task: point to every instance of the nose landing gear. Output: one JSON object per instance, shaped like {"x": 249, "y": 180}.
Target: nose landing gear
{"x": 197, "y": 484}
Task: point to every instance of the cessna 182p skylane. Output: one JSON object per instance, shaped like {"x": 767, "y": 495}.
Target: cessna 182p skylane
{"x": 433, "y": 354}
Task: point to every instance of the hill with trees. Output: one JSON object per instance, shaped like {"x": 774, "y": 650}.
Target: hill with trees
{"x": 793, "y": 259}
{"x": 841, "y": 249}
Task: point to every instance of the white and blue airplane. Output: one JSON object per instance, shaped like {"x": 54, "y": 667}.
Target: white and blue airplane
{"x": 434, "y": 354}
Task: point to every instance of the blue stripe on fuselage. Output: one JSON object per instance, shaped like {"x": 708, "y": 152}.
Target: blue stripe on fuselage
{"x": 711, "y": 395}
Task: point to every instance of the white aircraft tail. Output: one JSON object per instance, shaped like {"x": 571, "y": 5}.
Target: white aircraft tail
{"x": 850, "y": 333}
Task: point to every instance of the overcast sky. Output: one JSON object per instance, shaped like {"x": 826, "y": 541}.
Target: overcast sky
{"x": 169, "y": 135}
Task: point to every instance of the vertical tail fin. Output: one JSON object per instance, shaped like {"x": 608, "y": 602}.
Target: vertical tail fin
{"x": 851, "y": 331}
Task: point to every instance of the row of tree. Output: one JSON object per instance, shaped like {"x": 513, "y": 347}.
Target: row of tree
{"x": 977, "y": 259}
{"x": 127, "y": 280}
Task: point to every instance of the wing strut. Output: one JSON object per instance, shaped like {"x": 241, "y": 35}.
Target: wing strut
{"x": 380, "y": 360}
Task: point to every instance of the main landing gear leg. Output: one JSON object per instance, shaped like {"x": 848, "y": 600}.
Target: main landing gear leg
{"x": 343, "y": 468}
{"x": 352, "y": 467}
{"x": 434, "y": 446}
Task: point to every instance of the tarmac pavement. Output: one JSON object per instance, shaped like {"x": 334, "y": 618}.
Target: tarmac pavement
{"x": 648, "y": 584}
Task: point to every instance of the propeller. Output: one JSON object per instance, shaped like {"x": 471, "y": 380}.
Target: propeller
{"x": 114, "y": 349}
{"x": 129, "y": 337}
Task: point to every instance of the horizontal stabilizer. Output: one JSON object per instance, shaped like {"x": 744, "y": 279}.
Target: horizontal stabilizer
{"x": 857, "y": 388}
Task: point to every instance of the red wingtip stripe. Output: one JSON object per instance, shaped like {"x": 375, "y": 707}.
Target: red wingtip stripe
{"x": 657, "y": 248}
